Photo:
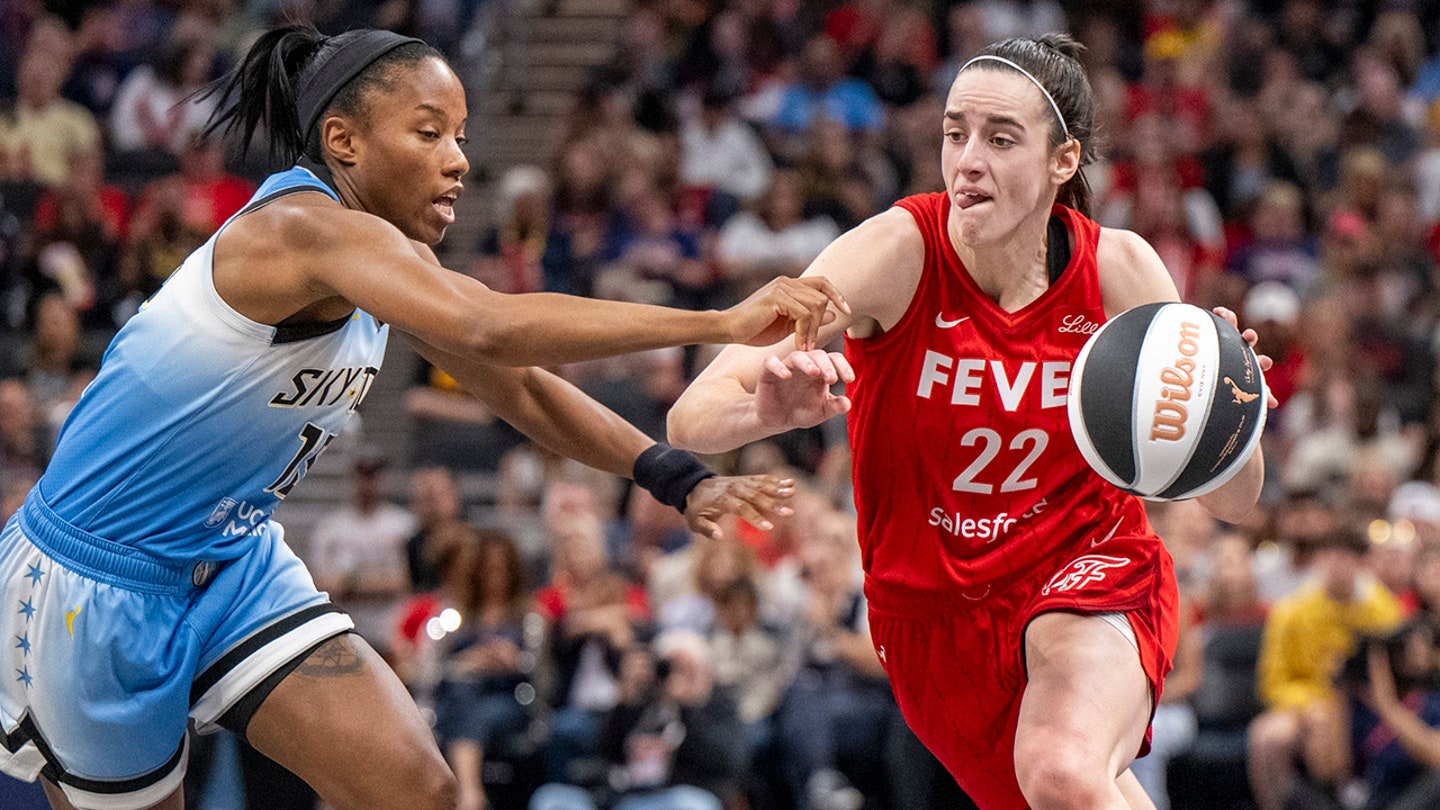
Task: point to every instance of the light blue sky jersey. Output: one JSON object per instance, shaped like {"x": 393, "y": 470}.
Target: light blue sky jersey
{"x": 201, "y": 421}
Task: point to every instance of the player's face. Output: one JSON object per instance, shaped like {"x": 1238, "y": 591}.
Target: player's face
{"x": 408, "y": 161}
{"x": 998, "y": 163}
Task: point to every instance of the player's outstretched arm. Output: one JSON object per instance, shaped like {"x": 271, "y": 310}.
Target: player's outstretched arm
{"x": 749, "y": 392}
{"x": 368, "y": 262}
{"x": 565, "y": 420}
{"x": 1132, "y": 274}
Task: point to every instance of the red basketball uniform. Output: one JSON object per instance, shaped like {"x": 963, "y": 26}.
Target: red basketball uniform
{"x": 977, "y": 511}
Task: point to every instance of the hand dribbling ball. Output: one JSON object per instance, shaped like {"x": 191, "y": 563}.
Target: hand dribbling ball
{"x": 1167, "y": 401}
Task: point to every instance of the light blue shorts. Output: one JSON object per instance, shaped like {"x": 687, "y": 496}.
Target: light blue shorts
{"x": 107, "y": 653}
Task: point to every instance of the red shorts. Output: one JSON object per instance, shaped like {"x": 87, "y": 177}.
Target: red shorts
{"x": 957, "y": 667}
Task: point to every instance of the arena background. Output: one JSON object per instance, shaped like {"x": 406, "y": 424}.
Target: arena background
{"x": 1282, "y": 156}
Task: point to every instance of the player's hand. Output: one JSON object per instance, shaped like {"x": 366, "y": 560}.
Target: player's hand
{"x": 794, "y": 391}
{"x": 756, "y": 498}
{"x": 1250, "y": 337}
{"x": 783, "y": 306}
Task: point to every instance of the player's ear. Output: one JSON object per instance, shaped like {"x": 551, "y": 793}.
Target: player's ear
{"x": 338, "y": 138}
{"x": 1065, "y": 162}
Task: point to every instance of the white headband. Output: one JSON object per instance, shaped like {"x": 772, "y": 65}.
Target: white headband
{"x": 1023, "y": 72}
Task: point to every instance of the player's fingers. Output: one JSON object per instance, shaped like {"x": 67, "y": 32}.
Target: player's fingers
{"x": 835, "y": 406}
{"x": 766, "y": 504}
{"x": 1265, "y": 362}
{"x": 822, "y": 361}
{"x": 842, "y": 366}
{"x": 746, "y": 510}
{"x": 803, "y": 363}
{"x": 1229, "y": 316}
{"x": 776, "y": 367}
{"x": 707, "y": 527}
{"x": 1251, "y": 337}
{"x": 823, "y": 284}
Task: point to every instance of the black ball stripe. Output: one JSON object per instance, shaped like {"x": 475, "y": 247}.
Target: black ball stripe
{"x": 1107, "y": 404}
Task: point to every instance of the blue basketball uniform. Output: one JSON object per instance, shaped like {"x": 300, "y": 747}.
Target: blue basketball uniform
{"x": 143, "y": 582}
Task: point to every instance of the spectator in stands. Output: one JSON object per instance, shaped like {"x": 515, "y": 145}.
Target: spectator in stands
{"x": 464, "y": 642}
{"x": 1395, "y": 726}
{"x": 1275, "y": 308}
{"x": 55, "y": 371}
{"x": 1279, "y": 248}
{"x": 672, "y": 742}
{"x": 822, "y": 91}
{"x": 1231, "y": 594}
{"x": 839, "y": 704}
{"x": 156, "y": 108}
{"x": 509, "y": 257}
{"x": 1246, "y": 161}
{"x": 593, "y": 615}
{"x": 357, "y": 553}
{"x": 1427, "y": 166}
{"x": 583, "y": 197}
{"x": 1308, "y": 636}
{"x": 1378, "y": 119}
{"x": 435, "y": 503}
{"x": 39, "y": 130}
{"x": 23, "y": 448}
{"x": 714, "y": 564}
{"x": 841, "y": 178}
{"x": 177, "y": 213}
{"x": 721, "y": 158}
{"x": 1307, "y": 128}
{"x": 749, "y": 658}
{"x": 91, "y": 217}
{"x": 776, "y": 239}
{"x": 1165, "y": 91}
{"x": 653, "y": 257}
{"x": 899, "y": 65}
{"x": 1318, "y": 48}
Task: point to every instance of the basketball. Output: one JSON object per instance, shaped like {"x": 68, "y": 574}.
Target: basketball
{"x": 1167, "y": 401}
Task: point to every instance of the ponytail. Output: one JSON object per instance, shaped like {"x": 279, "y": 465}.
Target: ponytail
{"x": 264, "y": 89}
{"x": 292, "y": 75}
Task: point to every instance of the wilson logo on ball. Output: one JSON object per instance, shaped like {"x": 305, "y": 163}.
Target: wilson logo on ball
{"x": 1163, "y": 401}
{"x": 1170, "y": 415}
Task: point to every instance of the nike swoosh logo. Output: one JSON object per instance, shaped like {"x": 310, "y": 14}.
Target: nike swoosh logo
{"x": 944, "y": 324}
{"x": 1113, "y": 529}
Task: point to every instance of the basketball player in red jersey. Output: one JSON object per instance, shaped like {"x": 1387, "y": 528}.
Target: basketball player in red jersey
{"x": 1023, "y": 608}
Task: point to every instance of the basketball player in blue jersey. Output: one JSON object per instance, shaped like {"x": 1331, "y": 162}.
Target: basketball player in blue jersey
{"x": 143, "y": 584}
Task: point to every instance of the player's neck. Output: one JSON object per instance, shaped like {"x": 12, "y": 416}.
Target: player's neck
{"x": 1009, "y": 266}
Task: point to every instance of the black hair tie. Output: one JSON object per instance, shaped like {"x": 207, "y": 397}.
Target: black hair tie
{"x": 339, "y": 60}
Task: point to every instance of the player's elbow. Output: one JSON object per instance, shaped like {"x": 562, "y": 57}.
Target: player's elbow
{"x": 491, "y": 338}
{"x": 685, "y": 428}
{"x": 679, "y": 428}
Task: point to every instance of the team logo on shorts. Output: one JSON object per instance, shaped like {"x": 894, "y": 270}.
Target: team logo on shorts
{"x": 1082, "y": 571}
{"x": 201, "y": 573}
{"x": 219, "y": 513}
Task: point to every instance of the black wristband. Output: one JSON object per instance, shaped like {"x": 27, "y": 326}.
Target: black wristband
{"x": 669, "y": 474}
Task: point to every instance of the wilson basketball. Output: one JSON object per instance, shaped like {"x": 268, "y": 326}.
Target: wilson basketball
{"x": 1166, "y": 401}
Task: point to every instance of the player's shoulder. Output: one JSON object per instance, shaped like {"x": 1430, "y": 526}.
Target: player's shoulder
{"x": 1122, "y": 248}
{"x": 884, "y": 239}
{"x": 308, "y": 222}
{"x": 1131, "y": 272}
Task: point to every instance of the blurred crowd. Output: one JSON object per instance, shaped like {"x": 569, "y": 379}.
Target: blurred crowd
{"x": 573, "y": 644}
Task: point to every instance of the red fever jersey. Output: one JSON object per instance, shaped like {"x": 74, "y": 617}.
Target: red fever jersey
{"x": 977, "y": 511}
{"x": 966, "y": 475}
